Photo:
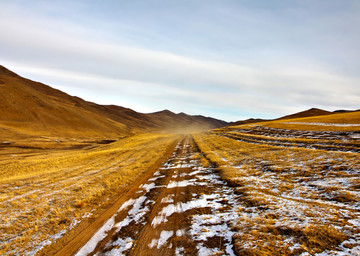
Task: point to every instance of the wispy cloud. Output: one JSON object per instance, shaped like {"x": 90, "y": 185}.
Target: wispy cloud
{"x": 150, "y": 79}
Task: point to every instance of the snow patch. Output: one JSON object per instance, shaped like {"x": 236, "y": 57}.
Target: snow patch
{"x": 156, "y": 178}
{"x": 179, "y": 251}
{"x": 204, "y": 201}
{"x": 164, "y": 236}
{"x": 148, "y": 187}
{"x": 168, "y": 199}
{"x": 183, "y": 183}
{"x": 122, "y": 245}
{"x": 135, "y": 214}
{"x": 180, "y": 232}
{"x": 99, "y": 235}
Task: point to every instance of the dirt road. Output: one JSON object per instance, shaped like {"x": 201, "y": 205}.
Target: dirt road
{"x": 183, "y": 209}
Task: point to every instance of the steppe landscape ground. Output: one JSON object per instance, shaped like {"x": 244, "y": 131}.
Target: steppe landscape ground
{"x": 286, "y": 187}
{"x": 78, "y": 178}
{"x": 168, "y": 128}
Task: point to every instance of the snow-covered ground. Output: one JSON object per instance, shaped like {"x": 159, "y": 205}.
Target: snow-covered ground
{"x": 300, "y": 201}
{"x": 217, "y": 218}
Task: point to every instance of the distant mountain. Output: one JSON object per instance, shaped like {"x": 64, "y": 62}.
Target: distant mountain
{"x": 171, "y": 120}
{"x": 250, "y": 121}
{"x": 345, "y": 111}
{"x": 28, "y": 107}
{"x": 307, "y": 113}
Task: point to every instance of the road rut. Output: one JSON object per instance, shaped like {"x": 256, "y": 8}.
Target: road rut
{"x": 183, "y": 209}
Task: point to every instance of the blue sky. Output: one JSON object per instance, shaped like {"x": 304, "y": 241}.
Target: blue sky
{"x": 226, "y": 59}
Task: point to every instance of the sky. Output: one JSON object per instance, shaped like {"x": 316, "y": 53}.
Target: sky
{"x": 228, "y": 59}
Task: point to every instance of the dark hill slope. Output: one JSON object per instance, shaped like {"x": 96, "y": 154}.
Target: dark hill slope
{"x": 307, "y": 113}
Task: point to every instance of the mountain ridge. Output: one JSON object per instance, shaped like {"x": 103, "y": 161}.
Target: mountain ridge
{"x": 36, "y": 108}
{"x": 307, "y": 113}
{"x": 312, "y": 112}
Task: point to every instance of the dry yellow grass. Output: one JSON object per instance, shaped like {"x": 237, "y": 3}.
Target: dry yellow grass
{"x": 341, "y": 122}
{"x": 335, "y": 122}
{"x": 294, "y": 200}
{"x": 44, "y": 195}
{"x": 340, "y": 118}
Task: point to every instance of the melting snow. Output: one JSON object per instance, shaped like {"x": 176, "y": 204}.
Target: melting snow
{"x": 164, "y": 236}
{"x": 168, "y": 199}
{"x": 99, "y": 235}
{"x": 122, "y": 244}
{"x": 180, "y": 232}
{"x": 183, "y": 183}
{"x": 148, "y": 187}
{"x": 179, "y": 251}
{"x": 204, "y": 201}
{"x": 135, "y": 214}
{"x": 157, "y": 177}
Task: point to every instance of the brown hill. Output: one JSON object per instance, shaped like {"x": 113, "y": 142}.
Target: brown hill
{"x": 28, "y": 107}
{"x": 171, "y": 121}
{"x": 307, "y": 113}
{"x": 249, "y": 121}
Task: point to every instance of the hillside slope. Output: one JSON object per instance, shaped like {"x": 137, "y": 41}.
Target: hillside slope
{"x": 29, "y": 107}
{"x": 188, "y": 123}
{"x": 308, "y": 113}
{"x": 249, "y": 121}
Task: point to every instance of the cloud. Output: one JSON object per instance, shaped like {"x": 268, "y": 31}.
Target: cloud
{"x": 70, "y": 55}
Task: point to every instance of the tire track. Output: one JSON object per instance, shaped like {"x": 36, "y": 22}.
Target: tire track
{"x": 184, "y": 208}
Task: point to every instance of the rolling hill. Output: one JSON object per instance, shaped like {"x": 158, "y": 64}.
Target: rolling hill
{"x": 33, "y": 108}
{"x": 312, "y": 112}
{"x": 307, "y": 113}
{"x": 249, "y": 121}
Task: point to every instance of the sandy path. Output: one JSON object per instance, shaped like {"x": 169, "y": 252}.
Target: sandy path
{"x": 182, "y": 209}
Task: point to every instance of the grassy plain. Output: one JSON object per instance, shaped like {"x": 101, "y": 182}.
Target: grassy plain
{"x": 47, "y": 188}
{"x": 298, "y": 183}
{"x": 295, "y": 198}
